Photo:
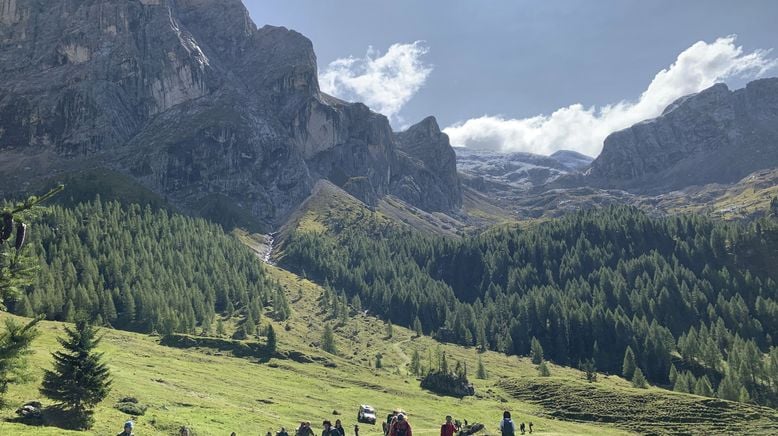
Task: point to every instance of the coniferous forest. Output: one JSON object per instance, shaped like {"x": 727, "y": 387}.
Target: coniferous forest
{"x": 137, "y": 269}
{"x": 694, "y": 299}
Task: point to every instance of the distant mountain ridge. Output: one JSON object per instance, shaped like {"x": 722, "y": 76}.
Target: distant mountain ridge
{"x": 714, "y": 136}
{"x": 518, "y": 169}
{"x": 192, "y": 100}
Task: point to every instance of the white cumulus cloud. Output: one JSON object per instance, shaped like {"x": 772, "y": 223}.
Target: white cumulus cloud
{"x": 584, "y": 128}
{"x": 383, "y": 82}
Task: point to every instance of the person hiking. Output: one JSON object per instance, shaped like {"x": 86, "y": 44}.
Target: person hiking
{"x": 339, "y": 428}
{"x": 522, "y": 428}
{"x": 305, "y": 429}
{"x": 506, "y": 425}
{"x": 128, "y": 426}
{"x": 389, "y": 420}
{"x": 448, "y": 428}
{"x": 401, "y": 427}
{"x": 183, "y": 431}
{"x": 329, "y": 430}
{"x": 530, "y": 427}
{"x": 356, "y": 430}
{"x": 282, "y": 432}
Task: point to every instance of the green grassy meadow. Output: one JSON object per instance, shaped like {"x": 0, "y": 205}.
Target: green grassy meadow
{"x": 215, "y": 393}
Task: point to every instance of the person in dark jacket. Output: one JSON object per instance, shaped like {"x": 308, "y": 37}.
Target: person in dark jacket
{"x": 339, "y": 428}
{"x": 282, "y": 432}
{"x": 128, "y": 426}
{"x": 329, "y": 430}
{"x": 507, "y": 428}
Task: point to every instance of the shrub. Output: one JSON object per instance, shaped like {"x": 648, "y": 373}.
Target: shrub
{"x": 130, "y": 408}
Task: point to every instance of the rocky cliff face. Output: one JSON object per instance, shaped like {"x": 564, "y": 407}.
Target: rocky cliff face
{"x": 194, "y": 101}
{"x": 428, "y": 168}
{"x": 715, "y": 136}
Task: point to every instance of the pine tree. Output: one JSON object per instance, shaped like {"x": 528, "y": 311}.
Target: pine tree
{"x": 543, "y": 369}
{"x": 389, "y": 330}
{"x": 638, "y": 379}
{"x": 417, "y": 327}
{"x": 536, "y": 351}
{"x": 220, "y": 327}
{"x": 15, "y": 344}
{"x": 416, "y": 363}
{"x": 629, "y": 366}
{"x": 328, "y": 340}
{"x": 481, "y": 372}
{"x": 729, "y": 388}
{"x": 673, "y": 374}
{"x": 703, "y": 387}
{"x": 80, "y": 380}
{"x": 443, "y": 365}
{"x": 271, "y": 344}
{"x": 356, "y": 303}
{"x": 743, "y": 396}
{"x": 682, "y": 382}
{"x": 378, "y": 363}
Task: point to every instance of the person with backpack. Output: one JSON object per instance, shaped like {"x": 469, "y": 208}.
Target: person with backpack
{"x": 506, "y": 425}
{"x": 448, "y": 428}
{"x": 522, "y": 428}
{"x": 329, "y": 430}
{"x": 339, "y": 428}
{"x": 401, "y": 427}
{"x": 127, "y": 431}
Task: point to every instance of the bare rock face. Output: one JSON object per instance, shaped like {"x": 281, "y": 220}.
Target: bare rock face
{"x": 191, "y": 99}
{"x": 715, "y": 136}
{"x": 429, "y": 168}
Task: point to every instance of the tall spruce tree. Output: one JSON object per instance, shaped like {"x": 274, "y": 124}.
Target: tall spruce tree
{"x": 17, "y": 271}
{"x": 328, "y": 340}
{"x": 79, "y": 380}
{"x": 481, "y": 371}
{"x": 15, "y": 344}
{"x": 628, "y": 367}
{"x": 416, "y": 363}
{"x": 638, "y": 379}
{"x": 536, "y": 351}
{"x": 272, "y": 341}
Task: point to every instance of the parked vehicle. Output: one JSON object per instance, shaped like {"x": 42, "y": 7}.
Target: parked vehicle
{"x": 366, "y": 414}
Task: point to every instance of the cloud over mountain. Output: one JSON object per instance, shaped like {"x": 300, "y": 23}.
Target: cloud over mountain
{"x": 384, "y": 82}
{"x": 581, "y": 128}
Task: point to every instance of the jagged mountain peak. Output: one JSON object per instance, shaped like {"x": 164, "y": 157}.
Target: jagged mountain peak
{"x": 714, "y": 136}
{"x": 194, "y": 101}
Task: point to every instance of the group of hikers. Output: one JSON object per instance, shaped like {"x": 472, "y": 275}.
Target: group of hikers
{"x": 396, "y": 424}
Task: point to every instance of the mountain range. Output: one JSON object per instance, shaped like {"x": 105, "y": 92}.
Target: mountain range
{"x": 194, "y": 103}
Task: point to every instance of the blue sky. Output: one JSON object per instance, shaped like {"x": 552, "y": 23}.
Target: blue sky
{"x": 509, "y": 74}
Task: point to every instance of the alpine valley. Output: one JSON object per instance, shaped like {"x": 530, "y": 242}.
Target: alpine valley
{"x": 258, "y": 253}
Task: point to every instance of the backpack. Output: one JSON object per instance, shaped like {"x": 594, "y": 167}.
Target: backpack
{"x": 400, "y": 428}
{"x": 507, "y": 428}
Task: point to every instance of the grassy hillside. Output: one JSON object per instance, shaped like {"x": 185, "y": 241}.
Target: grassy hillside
{"x": 216, "y": 393}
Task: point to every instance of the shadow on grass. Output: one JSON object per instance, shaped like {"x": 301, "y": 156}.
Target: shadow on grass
{"x": 53, "y": 416}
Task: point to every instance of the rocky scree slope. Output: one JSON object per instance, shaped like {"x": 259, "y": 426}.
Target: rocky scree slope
{"x": 196, "y": 103}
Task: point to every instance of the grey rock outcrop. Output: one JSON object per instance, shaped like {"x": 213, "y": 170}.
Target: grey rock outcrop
{"x": 715, "y": 136}
{"x": 195, "y": 102}
{"x": 428, "y": 165}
